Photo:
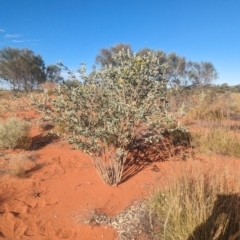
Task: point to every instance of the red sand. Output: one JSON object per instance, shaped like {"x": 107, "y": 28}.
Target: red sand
{"x": 63, "y": 184}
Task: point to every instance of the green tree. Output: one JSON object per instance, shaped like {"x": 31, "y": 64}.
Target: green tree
{"x": 22, "y": 68}
{"x": 105, "y": 57}
{"x": 53, "y": 73}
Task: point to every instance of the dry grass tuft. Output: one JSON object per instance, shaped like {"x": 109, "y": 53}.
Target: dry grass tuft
{"x": 218, "y": 141}
{"x": 14, "y": 133}
{"x": 217, "y": 116}
{"x": 214, "y": 107}
{"x": 198, "y": 205}
{"x": 19, "y": 165}
{"x": 4, "y": 106}
{"x": 16, "y": 166}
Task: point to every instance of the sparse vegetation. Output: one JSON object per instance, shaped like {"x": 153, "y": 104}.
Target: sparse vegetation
{"x": 134, "y": 221}
{"x": 16, "y": 166}
{"x": 11, "y": 102}
{"x": 215, "y": 114}
{"x": 133, "y": 100}
{"x": 212, "y": 106}
{"x": 19, "y": 165}
{"x": 218, "y": 141}
{"x": 198, "y": 205}
{"x": 201, "y": 204}
{"x": 14, "y": 133}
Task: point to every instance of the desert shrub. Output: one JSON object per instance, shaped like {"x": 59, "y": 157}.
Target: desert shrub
{"x": 14, "y": 133}
{"x": 202, "y": 205}
{"x": 103, "y": 115}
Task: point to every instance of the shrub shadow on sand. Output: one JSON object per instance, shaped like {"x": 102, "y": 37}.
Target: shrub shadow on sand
{"x": 223, "y": 223}
{"x": 41, "y": 140}
{"x": 143, "y": 155}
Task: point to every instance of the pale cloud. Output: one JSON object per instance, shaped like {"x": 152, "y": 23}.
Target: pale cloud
{"x": 17, "y": 38}
{"x": 12, "y": 36}
{"x": 19, "y": 41}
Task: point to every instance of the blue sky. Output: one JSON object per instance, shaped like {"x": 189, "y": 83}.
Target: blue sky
{"x": 75, "y": 30}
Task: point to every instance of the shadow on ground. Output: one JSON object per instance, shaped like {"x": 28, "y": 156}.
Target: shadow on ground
{"x": 42, "y": 140}
{"x": 37, "y": 167}
{"x": 143, "y": 155}
{"x": 224, "y": 222}
{"x": 8, "y": 194}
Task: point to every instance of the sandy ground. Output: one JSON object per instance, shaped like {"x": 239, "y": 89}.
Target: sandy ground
{"x": 61, "y": 186}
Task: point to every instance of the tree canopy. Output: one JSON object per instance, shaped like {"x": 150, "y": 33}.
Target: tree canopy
{"x": 182, "y": 73}
{"x": 105, "y": 57}
{"x": 53, "y": 73}
{"x": 22, "y": 68}
{"x": 25, "y": 70}
{"x": 178, "y": 72}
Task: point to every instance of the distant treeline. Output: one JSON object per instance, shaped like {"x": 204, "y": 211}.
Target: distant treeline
{"x": 223, "y": 88}
{"x": 23, "y": 70}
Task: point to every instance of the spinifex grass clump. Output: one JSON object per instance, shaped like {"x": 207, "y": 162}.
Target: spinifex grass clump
{"x": 199, "y": 204}
{"x": 102, "y": 115}
{"x": 218, "y": 141}
{"x": 14, "y": 133}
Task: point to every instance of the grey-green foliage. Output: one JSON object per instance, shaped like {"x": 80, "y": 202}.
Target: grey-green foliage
{"x": 13, "y": 132}
{"x": 104, "y": 114}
